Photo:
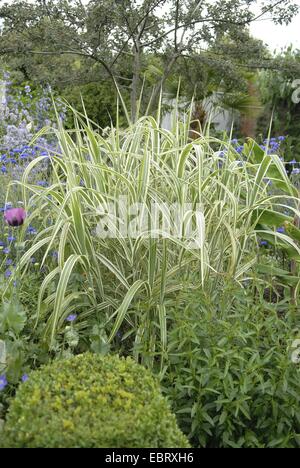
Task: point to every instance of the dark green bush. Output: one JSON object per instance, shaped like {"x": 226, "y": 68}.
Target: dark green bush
{"x": 230, "y": 376}
{"x": 91, "y": 401}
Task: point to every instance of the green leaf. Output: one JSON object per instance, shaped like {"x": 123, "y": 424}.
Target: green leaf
{"x": 12, "y": 317}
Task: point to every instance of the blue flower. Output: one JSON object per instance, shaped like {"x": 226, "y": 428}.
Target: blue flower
{"x": 274, "y": 146}
{"x": 280, "y": 230}
{"x": 3, "y": 170}
{"x": 31, "y": 230}
{"x": 263, "y": 243}
{"x": 71, "y": 318}
{"x": 281, "y": 138}
{"x": 293, "y": 161}
{"x": 267, "y": 181}
{"x": 296, "y": 170}
{"x": 3, "y": 382}
{"x": 7, "y": 274}
{"x": 6, "y": 251}
{"x": 8, "y": 261}
{"x": 24, "y": 378}
{"x": 11, "y": 238}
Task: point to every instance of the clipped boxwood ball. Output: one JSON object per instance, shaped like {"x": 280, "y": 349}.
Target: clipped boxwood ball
{"x": 91, "y": 401}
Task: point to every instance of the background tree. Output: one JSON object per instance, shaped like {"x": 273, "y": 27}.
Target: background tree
{"x": 114, "y": 38}
{"x": 276, "y": 90}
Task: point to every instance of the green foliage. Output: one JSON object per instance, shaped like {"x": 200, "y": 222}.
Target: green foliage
{"x": 104, "y": 279}
{"x": 230, "y": 374}
{"x": 75, "y": 42}
{"x": 12, "y": 317}
{"x": 99, "y": 102}
{"x": 276, "y": 89}
{"x": 91, "y": 401}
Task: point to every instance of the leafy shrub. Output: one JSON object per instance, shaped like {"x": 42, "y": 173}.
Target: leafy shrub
{"x": 137, "y": 271}
{"x": 230, "y": 375}
{"x": 91, "y": 401}
{"x": 99, "y": 103}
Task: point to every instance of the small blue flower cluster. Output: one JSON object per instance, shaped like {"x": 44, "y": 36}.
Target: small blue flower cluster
{"x": 4, "y": 382}
{"x": 264, "y": 243}
{"x": 71, "y": 318}
{"x": 22, "y": 114}
{"x": 271, "y": 146}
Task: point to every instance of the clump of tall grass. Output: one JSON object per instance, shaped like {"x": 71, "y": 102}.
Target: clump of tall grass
{"x": 125, "y": 281}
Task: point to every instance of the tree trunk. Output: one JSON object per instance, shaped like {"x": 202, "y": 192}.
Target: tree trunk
{"x": 135, "y": 82}
{"x": 159, "y": 86}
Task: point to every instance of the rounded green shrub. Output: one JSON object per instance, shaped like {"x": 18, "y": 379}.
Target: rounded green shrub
{"x": 91, "y": 401}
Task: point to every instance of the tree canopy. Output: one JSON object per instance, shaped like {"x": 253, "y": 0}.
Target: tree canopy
{"x": 71, "y": 41}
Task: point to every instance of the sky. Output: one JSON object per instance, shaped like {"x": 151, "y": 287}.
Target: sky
{"x": 276, "y": 36}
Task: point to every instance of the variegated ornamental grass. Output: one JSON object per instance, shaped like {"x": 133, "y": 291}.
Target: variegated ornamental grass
{"x": 129, "y": 281}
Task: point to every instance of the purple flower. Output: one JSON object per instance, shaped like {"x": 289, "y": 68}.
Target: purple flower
{"x": 267, "y": 181}
{"x": 42, "y": 183}
{"x": 71, "y": 318}
{"x": 274, "y": 146}
{"x": 54, "y": 254}
{"x": 280, "y": 229}
{"x": 281, "y": 138}
{"x": 31, "y": 230}
{"x": 3, "y": 382}
{"x": 263, "y": 243}
{"x": 24, "y": 378}
{"x": 15, "y": 216}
